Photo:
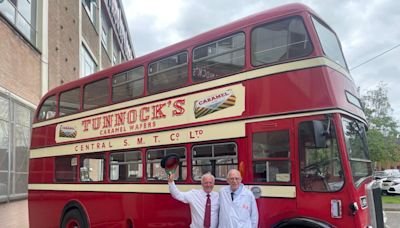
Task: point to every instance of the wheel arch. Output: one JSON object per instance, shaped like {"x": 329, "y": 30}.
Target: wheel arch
{"x": 302, "y": 222}
{"x": 75, "y": 205}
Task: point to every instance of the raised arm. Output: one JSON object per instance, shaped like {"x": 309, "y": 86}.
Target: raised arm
{"x": 178, "y": 195}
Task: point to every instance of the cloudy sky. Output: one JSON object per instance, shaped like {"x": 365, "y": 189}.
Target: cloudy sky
{"x": 365, "y": 28}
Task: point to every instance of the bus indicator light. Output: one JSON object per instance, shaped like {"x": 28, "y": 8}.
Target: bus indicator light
{"x": 336, "y": 208}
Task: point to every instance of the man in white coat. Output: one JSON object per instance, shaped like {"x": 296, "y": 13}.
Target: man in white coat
{"x": 238, "y": 207}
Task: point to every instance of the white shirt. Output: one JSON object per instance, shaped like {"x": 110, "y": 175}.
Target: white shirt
{"x": 197, "y": 199}
{"x": 242, "y": 212}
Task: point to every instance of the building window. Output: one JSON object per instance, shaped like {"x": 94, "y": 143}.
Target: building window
{"x": 116, "y": 53}
{"x": 15, "y": 136}
{"x": 21, "y": 14}
{"x": 90, "y": 7}
{"x": 88, "y": 64}
{"x": 105, "y": 31}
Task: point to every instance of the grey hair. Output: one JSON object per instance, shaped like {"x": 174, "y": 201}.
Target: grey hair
{"x": 208, "y": 174}
{"x": 234, "y": 171}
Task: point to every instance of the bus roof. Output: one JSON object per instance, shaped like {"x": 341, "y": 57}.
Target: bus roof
{"x": 197, "y": 40}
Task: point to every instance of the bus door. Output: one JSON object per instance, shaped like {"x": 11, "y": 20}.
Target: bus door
{"x": 321, "y": 191}
{"x": 271, "y": 145}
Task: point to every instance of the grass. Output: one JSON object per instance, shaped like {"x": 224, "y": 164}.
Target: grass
{"x": 391, "y": 199}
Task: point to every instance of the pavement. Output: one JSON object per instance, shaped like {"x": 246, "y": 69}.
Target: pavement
{"x": 391, "y": 207}
{"x": 15, "y": 214}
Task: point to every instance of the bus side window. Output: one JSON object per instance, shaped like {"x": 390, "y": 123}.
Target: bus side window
{"x": 69, "y": 102}
{"x": 128, "y": 85}
{"x": 271, "y": 156}
{"x": 65, "y": 168}
{"x": 126, "y": 166}
{"x": 218, "y": 58}
{"x": 153, "y": 163}
{"x": 216, "y": 158}
{"x": 95, "y": 94}
{"x": 279, "y": 41}
{"x": 48, "y": 109}
{"x": 92, "y": 167}
{"x": 168, "y": 73}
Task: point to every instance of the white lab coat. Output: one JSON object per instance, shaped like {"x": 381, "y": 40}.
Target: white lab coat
{"x": 242, "y": 212}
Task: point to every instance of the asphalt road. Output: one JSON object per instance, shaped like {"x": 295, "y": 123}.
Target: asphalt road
{"x": 393, "y": 219}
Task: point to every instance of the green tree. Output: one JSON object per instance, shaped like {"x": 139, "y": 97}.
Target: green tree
{"x": 383, "y": 131}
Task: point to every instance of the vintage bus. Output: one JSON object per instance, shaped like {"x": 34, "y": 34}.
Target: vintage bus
{"x": 270, "y": 95}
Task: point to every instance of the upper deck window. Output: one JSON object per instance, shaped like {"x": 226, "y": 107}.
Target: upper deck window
{"x": 218, "y": 58}
{"x": 279, "y": 41}
{"x": 170, "y": 72}
{"x": 330, "y": 43}
{"x": 95, "y": 94}
{"x": 128, "y": 84}
{"x": 69, "y": 102}
{"x": 48, "y": 109}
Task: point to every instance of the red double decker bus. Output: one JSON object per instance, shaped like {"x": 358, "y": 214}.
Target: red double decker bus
{"x": 270, "y": 95}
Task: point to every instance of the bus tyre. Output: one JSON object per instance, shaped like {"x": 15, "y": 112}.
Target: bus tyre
{"x": 73, "y": 219}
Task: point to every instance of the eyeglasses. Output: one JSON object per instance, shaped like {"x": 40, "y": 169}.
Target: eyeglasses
{"x": 234, "y": 178}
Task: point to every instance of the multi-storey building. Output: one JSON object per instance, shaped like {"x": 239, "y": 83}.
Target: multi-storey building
{"x": 44, "y": 44}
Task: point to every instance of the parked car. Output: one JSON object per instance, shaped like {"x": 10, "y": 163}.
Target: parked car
{"x": 394, "y": 187}
{"x": 392, "y": 172}
{"x": 378, "y": 175}
{"x": 387, "y": 178}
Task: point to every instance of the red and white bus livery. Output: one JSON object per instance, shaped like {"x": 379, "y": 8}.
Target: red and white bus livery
{"x": 270, "y": 95}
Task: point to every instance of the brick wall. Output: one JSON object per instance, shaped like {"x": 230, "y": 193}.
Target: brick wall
{"x": 63, "y": 42}
{"x": 19, "y": 65}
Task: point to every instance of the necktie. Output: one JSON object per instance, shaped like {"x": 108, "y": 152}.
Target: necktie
{"x": 207, "y": 214}
{"x": 232, "y": 195}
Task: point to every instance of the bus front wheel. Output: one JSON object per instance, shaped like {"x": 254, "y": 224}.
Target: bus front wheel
{"x": 73, "y": 219}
